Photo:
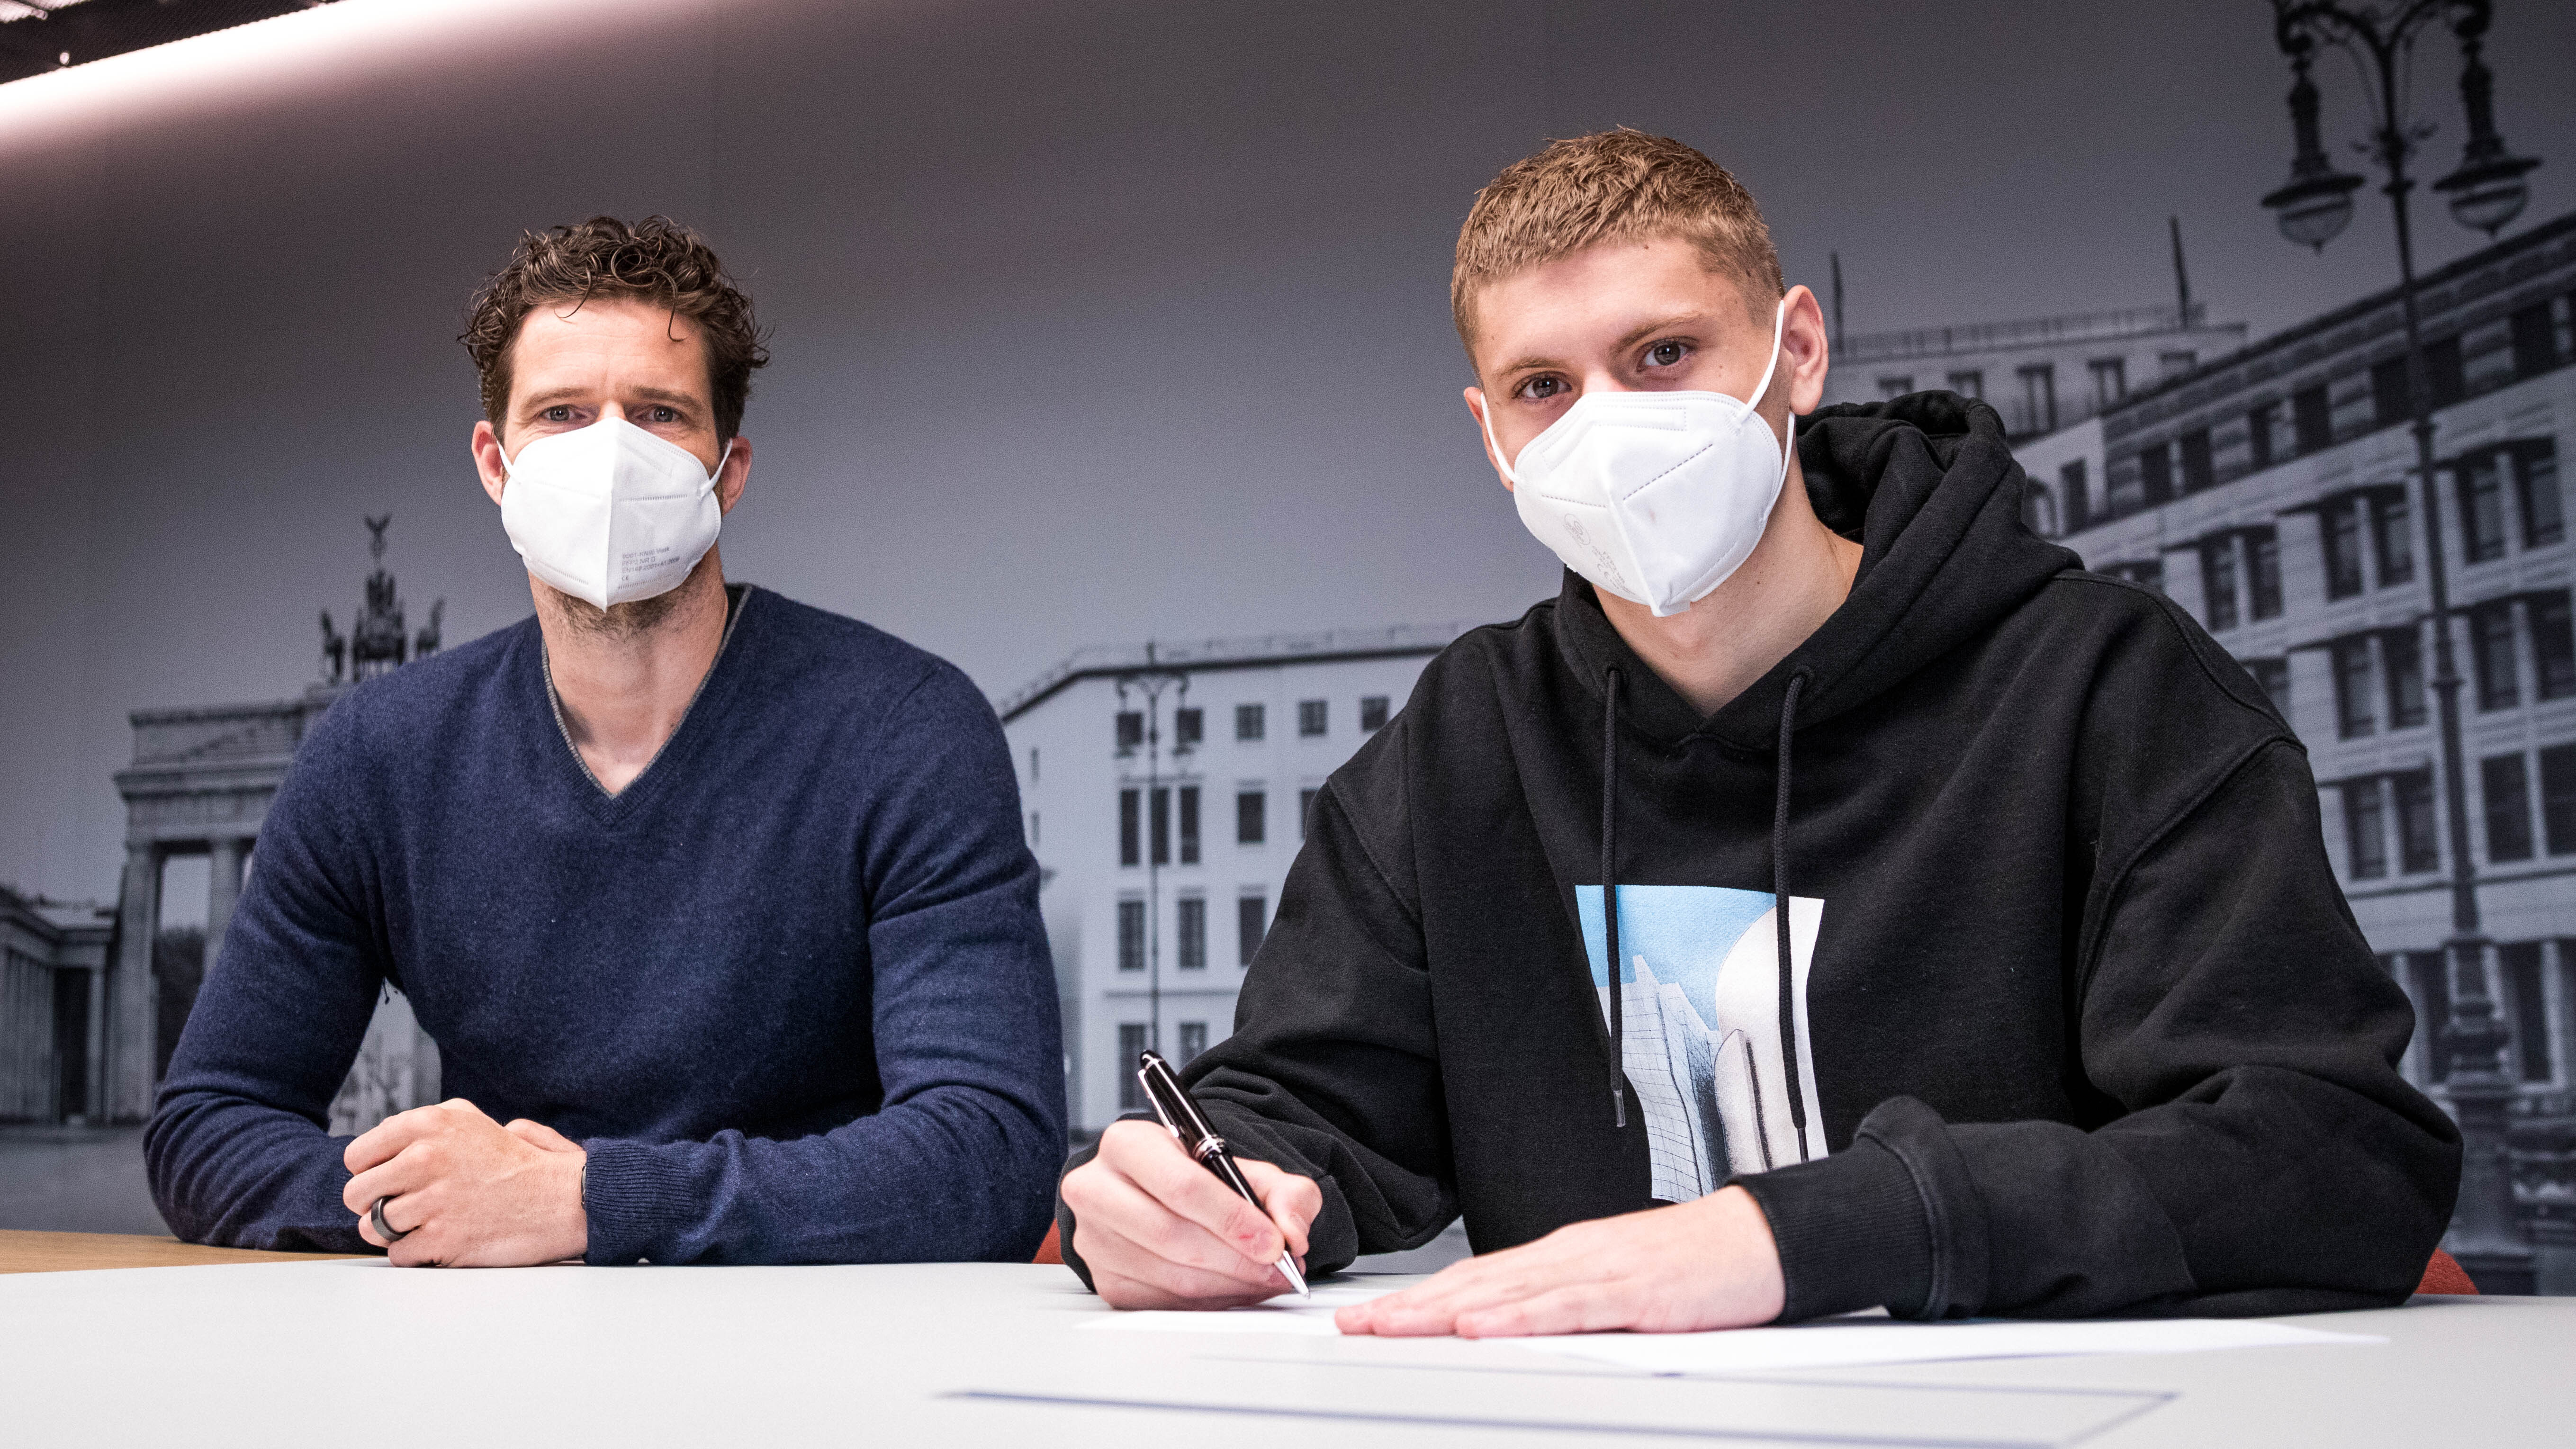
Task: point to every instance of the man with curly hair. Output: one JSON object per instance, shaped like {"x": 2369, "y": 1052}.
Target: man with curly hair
{"x": 716, "y": 904}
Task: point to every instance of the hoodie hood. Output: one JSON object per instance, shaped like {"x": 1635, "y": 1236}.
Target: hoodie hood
{"x": 1928, "y": 486}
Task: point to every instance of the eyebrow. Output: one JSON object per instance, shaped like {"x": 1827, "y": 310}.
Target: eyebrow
{"x": 1631, "y": 339}
{"x": 666, "y": 396}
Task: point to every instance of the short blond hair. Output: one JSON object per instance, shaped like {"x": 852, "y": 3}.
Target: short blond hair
{"x": 1610, "y": 186}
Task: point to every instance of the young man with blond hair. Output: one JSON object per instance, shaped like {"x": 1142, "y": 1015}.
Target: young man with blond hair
{"x": 1961, "y": 917}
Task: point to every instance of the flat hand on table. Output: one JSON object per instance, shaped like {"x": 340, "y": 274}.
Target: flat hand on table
{"x": 467, "y": 1191}
{"x": 1697, "y": 1265}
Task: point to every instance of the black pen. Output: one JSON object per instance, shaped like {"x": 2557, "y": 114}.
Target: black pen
{"x": 1181, "y": 1118}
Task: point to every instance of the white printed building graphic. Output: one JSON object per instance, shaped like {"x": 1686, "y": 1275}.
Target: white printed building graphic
{"x": 1700, "y": 1006}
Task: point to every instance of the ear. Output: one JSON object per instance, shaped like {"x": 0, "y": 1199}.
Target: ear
{"x": 489, "y": 462}
{"x": 733, "y": 474}
{"x": 1485, "y": 433}
{"x": 1803, "y": 355}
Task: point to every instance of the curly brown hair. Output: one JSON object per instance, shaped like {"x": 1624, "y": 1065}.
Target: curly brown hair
{"x": 1611, "y": 186}
{"x": 657, "y": 260}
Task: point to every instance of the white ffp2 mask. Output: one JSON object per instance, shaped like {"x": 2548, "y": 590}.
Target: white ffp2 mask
{"x": 1655, "y": 496}
{"x": 610, "y": 513}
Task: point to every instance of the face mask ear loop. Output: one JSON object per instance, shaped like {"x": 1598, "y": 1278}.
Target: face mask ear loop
{"x": 1485, "y": 420}
{"x": 1789, "y": 421}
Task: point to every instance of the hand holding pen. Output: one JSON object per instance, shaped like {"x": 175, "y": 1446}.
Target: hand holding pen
{"x": 1180, "y": 1117}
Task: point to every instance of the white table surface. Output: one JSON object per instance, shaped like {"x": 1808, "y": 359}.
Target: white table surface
{"x": 358, "y": 1355}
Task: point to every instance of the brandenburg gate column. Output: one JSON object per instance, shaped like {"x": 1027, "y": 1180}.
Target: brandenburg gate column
{"x": 133, "y": 1044}
{"x": 223, "y": 889}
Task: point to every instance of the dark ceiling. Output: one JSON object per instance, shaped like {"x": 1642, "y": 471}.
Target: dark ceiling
{"x": 52, "y": 34}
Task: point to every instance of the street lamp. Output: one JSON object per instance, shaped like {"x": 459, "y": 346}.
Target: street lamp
{"x": 1150, "y": 683}
{"x": 2486, "y": 192}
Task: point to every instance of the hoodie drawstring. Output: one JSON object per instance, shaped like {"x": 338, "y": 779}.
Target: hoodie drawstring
{"x": 1611, "y": 683}
{"x": 1780, "y": 914}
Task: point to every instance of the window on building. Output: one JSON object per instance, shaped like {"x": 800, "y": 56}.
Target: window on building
{"x": 1895, "y": 386}
{"x": 2365, "y": 828}
{"x": 2039, "y": 398}
{"x": 2553, "y": 646}
{"x": 2176, "y": 363}
{"x": 1159, "y": 826}
{"x": 1251, "y": 918}
{"x": 2417, "y": 847}
{"x": 2259, "y": 423}
{"x": 1251, "y": 817}
{"x": 1189, "y": 727}
{"x": 2312, "y": 418}
{"x": 1190, "y": 922}
{"x": 2392, "y": 534}
{"x": 2218, "y": 580}
{"x": 2535, "y": 341}
{"x": 1130, "y": 847}
{"x": 2263, "y": 570}
{"x": 1305, "y": 812}
{"x": 1310, "y": 717}
{"x": 2199, "y": 470}
{"x": 2388, "y": 397}
{"x": 2445, "y": 370}
{"x": 2482, "y": 506}
{"x": 2526, "y": 1006}
{"x": 2147, "y": 573}
{"x": 1131, "y": 731}
{"x": 2110, "y": 380}
{"x": 2274, "y": 676}
{"x": 1247, "y": 722}
{"x": 2341, "y": 521}
{"x": 2155, "y": 474}
{"x": 2038, "y": 509}
{"x": 2491, "y": 649}
{"x": 2401, "y": 664}
{"x": 1131, "y": 1045}
{"x": 1193, "y": 1040}
{"x": 1033, "y": 764}
{"x": 1372, "y": 713}
{"x": 1131, "y": 935}
{"x": 2504, "y": 789}
{"x": 2354, "y": 715}
{"x": 2558, "y": 799}
{"x": 1033, "y": 830}
{"x": 2536, "y": 496}
{"x": 1969, "y": 384}
{"x": 2070, "y": 487}
{"x": 1189, "y": 825}
{"x": 2432, "y": 973}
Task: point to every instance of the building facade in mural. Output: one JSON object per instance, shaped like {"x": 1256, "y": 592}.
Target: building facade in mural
{"x": 200, "y": 785}
{"x": 1165, "y": 791}
{"x": 2271, "y": 493}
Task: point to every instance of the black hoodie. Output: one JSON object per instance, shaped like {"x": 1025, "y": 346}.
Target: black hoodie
{"x": 2078, "y": 1021}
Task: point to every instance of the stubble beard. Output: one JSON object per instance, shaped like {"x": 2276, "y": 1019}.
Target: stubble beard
{"x": 625, "y": 623}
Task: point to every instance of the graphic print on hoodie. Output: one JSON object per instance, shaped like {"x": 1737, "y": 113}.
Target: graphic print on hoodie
{"x": 1700, "y": 999}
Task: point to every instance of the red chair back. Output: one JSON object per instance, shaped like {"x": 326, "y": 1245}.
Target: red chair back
{"x": 2442, "y": 1275}
{"x": 1048, "y": 1252}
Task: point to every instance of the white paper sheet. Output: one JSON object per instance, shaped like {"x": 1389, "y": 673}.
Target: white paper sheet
{"x": 1286, "y": 1313}
{"x": 1838, "y": 1345}
{"x": 1753, "y": 1350}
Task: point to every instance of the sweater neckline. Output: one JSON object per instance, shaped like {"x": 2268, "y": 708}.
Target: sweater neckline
{"x": 598, "y": 798}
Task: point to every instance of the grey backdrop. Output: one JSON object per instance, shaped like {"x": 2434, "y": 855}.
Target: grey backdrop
{"x": 1093, "y": 321}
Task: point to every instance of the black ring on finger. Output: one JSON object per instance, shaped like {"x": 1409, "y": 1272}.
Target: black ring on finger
{"x": 385, "y": 1229}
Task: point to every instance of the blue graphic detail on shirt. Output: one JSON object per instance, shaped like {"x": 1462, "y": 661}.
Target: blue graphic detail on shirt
{"x": 1700, "y": 1006}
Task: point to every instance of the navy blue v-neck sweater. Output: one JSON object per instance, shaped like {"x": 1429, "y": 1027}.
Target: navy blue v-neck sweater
{"x": 789, "y": 989}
